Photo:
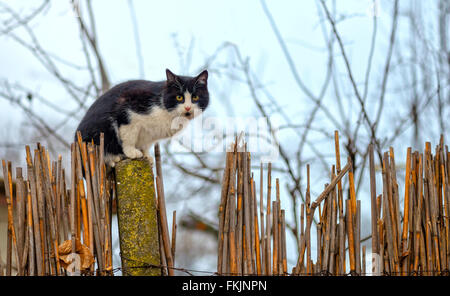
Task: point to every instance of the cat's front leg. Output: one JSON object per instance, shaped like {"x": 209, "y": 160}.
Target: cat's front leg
{"x": 131, "y": 152}
{"x": 129, "y": 135}
{"x": 112, "y": 159}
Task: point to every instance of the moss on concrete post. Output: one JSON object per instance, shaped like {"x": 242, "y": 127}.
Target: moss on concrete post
{"x": 137, "y": 217}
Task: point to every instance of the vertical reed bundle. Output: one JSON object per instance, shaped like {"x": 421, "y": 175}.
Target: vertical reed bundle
{"x": 53, "y": 229}
{"x": 417, "y": 241}
{"x": 60, "y": 229}
{"x": 249, "y": 244}
{"x": 410, "y": 235}
{"x": 168, "y": 250}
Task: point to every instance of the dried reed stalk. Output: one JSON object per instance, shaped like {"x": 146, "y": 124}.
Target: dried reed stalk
{"x": 48, "y": 213}
{"x": 162, "y": 211}
{"x": 249, "y": 242}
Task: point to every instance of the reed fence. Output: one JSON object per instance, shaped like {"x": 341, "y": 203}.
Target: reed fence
{"x": 54, "y": 224}
{"x": 408, "y": 238}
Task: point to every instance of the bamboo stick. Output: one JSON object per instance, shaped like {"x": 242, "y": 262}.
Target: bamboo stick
{"x": 239, "y": 213}
{"x": 374, "y": 207}
{"x": 363, "y": 260}
{"x": 223, "y": 198}
{"x": 309, "y": 218}
{"x": 394, "y": 198}
{"x": 247, "y": 241}
{"x": 358, "y": 237}
{"x": 387, "y": 212}
{"x": 232, "y": 234}
{"x": 350, "y": 236}
{"x": 283, "y": 242}
{"x": 31, "y": 248}
{"x": 338, "y": 170}
{"x": 163, "y": 221}
{"x": 275, "y": 238}
{"x": 406, "y": 208}
{"x": 12, "y": 241}
{"x": 174, "y": 235}
{"x": 333, "y": 243}
{"x": 256, "y": 232}
{"x": 49, "y": 201}
{"x": 72, "y": 201}
{"x": 35, "y": 214}
{"x": 229, "y": 227}
{"x": 99, "y": 244}
{"x": 268, "y": 221}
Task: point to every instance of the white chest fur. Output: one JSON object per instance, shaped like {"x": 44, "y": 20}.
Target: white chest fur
{"x": 145, "y": 129}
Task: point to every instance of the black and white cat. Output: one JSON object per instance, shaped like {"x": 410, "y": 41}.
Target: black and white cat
{"x": 134, "y": 115}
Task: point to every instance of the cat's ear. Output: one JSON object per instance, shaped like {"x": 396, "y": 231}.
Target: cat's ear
{"x": 202, "y": 78}
{"x": 170, "y": 76}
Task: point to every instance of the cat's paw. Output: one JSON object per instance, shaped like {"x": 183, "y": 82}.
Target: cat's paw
{"x": 111, "y": 160}
{"x": 132, "y": 152}
{"x": 115, "y": 160}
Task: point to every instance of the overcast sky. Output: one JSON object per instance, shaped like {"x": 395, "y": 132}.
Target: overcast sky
{"x": 205, "y": 23}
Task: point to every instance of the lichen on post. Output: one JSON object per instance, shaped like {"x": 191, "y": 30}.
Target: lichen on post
{"x": 137, "y": 218}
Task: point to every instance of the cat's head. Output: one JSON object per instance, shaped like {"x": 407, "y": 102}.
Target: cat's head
{"x": 186, "y": 96}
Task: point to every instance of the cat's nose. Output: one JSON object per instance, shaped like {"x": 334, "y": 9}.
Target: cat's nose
{"x": 187, "y": 108}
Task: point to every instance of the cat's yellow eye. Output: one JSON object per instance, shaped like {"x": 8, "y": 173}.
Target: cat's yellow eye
{"x": 179, "y": 98}
{"x": 195, "y": 98}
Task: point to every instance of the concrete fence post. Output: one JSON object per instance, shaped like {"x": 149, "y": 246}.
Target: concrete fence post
{"x": 137, "y": 218}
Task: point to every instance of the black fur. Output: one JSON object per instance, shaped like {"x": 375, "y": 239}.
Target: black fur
{"x": 110, "y": 111}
